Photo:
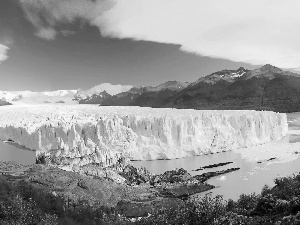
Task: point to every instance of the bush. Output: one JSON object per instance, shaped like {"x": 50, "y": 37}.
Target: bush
{"x": 23, "y": 203}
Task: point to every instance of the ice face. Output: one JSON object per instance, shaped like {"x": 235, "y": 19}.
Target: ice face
{"x": 88, "y": 134}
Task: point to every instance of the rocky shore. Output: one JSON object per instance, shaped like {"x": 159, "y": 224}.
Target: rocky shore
{"x": 134, "y": 192}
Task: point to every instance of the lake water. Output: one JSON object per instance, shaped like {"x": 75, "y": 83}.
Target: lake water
{"x": 17, "y": 153}
{"x": 251, "y": 177}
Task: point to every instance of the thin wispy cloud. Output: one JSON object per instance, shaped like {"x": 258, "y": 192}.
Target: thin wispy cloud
{"x": 250, "y": 31}
{"x": 3, "y": 53}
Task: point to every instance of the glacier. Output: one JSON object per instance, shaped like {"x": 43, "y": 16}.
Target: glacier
{"x": 80, "y": 135}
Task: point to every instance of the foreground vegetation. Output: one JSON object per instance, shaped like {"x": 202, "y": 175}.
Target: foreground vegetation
{"x": 24, "y": 203}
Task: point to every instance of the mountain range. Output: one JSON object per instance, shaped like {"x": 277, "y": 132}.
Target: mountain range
{"x": 265, "y": 88}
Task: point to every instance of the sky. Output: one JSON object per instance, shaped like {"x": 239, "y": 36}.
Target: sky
{"x": 70, "y": 44}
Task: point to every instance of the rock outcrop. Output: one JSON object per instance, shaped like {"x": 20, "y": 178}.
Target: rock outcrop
{"x": 80, "y": 135}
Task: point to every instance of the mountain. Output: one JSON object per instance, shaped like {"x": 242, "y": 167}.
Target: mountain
{"x": 139, "y": 96}
{"x": 98, "y": 93}
{"x": 80, "y": 95}
{"x": 96, "y": 98}
{"x": 268, "y": 71}
{"x": 226, "y": 75}
{"x": 282, "y": 94}
{"x": 111, "y": 89}
{"x": 266, "y": 88}
{"x": 170, "y": 85}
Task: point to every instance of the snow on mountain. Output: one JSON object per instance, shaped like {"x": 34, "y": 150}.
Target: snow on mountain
{"x": 141, "y": 94}
{"x": 100, "y": 91}
{"x": 96, "y": 98}
{"x": 79, "y": 135}
{"x": 227, "y": 75}
{"x": 80, "y": 95}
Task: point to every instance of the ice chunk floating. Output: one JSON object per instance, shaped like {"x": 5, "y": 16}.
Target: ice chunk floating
{"x": 89, "y": 134}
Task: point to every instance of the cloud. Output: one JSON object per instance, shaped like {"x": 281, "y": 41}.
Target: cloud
{"x": 3, "y": 53}
{"x": 6, "y": 40}
{"x": 250, "y": 31}
{"x": 48, "y": 15}
{"x": 46, "y": 33}
{"x": 109, "y": 88}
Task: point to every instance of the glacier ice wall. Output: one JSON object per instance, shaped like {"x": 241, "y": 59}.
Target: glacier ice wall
{"x": 87, "y": 134}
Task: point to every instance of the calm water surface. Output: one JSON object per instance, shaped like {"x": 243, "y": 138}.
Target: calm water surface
{"x": 13, "y": 152}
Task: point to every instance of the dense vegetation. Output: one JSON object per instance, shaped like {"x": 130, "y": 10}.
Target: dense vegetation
{"x": 24, "y": 203}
